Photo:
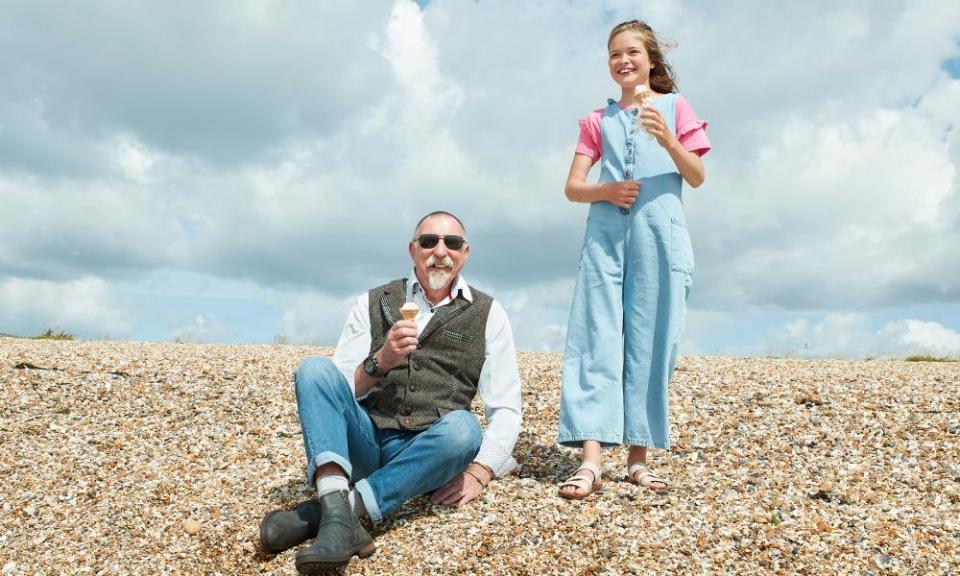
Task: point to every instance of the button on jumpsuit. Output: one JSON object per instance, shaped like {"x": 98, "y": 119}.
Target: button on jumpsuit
{"x": 629, "y": 306}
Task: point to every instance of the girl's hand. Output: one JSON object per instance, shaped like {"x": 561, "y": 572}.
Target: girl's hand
{"x": 688, "y": 163}
{"x": 656, "y": 126}
{"x": 621, "y": 193}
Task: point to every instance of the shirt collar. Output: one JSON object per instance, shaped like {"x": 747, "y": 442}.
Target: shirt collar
{"x": 460, "y": 286}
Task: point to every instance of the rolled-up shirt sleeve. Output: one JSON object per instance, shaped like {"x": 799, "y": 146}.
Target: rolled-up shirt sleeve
{"x": 354, "y": 343}
{"x": 499, "y": 388}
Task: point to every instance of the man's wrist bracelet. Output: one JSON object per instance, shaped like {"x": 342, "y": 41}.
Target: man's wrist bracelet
{"x": 485, "y": 468}
{"x": 475, "y": 477}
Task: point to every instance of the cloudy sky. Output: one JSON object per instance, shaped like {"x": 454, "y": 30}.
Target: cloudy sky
{"x": 236, "y": 171}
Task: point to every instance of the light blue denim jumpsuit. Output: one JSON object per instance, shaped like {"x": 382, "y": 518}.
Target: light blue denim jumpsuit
{"x": 629, "y": 306}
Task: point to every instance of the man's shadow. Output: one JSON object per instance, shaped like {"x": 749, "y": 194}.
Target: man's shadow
{"x": 288, "y": 495}
{"x": 545, "y": 462}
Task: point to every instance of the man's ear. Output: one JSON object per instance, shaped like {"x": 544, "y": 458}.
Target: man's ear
{"x": 411, "y": 249}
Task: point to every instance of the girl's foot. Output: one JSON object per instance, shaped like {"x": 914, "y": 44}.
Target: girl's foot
{"x": 584, "y": 482}
{"x": 639, "y": 474}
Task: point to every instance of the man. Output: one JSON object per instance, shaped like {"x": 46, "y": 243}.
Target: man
{"x": 390, "y": 415}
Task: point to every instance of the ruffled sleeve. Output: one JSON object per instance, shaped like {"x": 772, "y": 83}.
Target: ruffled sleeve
{"x": 691, "y": 131}
{"x": 589, "y": 143}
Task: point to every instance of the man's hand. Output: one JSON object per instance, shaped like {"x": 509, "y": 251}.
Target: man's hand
{"x": 400, "y": 342}
{"x": 457, "y": 492}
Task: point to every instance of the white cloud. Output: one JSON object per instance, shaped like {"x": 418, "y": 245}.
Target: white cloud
{"x": 221, "y": 82}
{"x": 850, "y": 335}
{"x": 295, "y": 146}
{"x": 538, "y": 313}
{"x": 414, "y": 59}
{"x": 924, "y": 337}
{"x": 69, "y": 228}
{"x": 84, "y": 307}
{"x": 704, "y": 327}
{"x": 852, "y": 210}
{"x": 202, "y": 328}
{"x": 134, "y": 159}
{"x": 315, "y": 319}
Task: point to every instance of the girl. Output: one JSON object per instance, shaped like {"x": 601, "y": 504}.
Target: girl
{"x": 636, "y": 266}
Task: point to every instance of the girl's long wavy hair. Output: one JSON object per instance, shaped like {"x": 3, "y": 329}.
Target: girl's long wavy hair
{"x": 662, "y": 78}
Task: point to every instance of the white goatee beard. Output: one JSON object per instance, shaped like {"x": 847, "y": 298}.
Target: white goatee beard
{"x": 439, "y": 278}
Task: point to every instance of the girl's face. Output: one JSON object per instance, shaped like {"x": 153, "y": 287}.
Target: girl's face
{"x": 629, "y": 61}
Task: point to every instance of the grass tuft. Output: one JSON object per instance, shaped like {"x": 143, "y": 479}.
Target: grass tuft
{"x": 929, "y": 358}
{"x": 50, "y": 334}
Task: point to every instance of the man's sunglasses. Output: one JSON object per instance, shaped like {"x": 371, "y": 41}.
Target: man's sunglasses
{"x": 451, "y": 241}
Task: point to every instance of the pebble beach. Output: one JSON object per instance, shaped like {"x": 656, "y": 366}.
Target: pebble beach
{"x": 161, "y": 458}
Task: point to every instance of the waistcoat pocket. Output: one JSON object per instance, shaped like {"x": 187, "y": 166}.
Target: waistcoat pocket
{"x": 681, "y": 250}
{"x": 456, "y": 335}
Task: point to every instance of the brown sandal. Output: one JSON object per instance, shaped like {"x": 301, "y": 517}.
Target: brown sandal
{"x": 582, "y": 482}
{"x": 640, "y": 475}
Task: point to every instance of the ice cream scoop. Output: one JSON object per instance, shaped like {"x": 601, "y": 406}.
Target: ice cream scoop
{"x": 409, "y": 310}
{"x": 644, "y": 96}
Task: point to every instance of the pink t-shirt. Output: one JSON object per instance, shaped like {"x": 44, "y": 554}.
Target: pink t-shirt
{"x": 691, "y": 131}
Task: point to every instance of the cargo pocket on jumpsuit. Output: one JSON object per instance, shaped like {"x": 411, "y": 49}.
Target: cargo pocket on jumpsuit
{"x": 681, "y": 250}
{"x": 583, "y": 246}
{"x": 681, "y": 261}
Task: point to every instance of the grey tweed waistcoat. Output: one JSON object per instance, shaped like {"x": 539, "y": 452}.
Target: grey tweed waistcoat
{"x": 442, "y": 374}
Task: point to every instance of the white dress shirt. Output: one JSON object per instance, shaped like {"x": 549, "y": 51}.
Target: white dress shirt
{"x": 499, "y": 385}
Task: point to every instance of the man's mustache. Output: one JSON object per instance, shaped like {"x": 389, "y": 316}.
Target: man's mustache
{"x": 445, "y": 262}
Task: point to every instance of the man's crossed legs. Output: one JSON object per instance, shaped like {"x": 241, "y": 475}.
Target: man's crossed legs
{"x": 387, "y": 467}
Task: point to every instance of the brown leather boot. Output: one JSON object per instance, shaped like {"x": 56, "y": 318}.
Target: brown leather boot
{"x": 339, "y": 537}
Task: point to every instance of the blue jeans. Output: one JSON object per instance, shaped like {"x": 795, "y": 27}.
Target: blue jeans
{"x": 387, "y": 467}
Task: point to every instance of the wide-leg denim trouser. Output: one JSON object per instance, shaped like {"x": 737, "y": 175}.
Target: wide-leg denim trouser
{"x": 387, "y": 467}
{"x": 627, "y": 317}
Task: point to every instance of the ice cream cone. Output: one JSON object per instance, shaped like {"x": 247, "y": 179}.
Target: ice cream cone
{"x": 409, "y": 310}
{"x": 642, "y": 94}
{"x": 644, "y": 97}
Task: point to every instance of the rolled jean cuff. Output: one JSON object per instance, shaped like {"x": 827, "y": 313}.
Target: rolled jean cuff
{"x": 369, "y": 500}
{"x": 326, "y": 458}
